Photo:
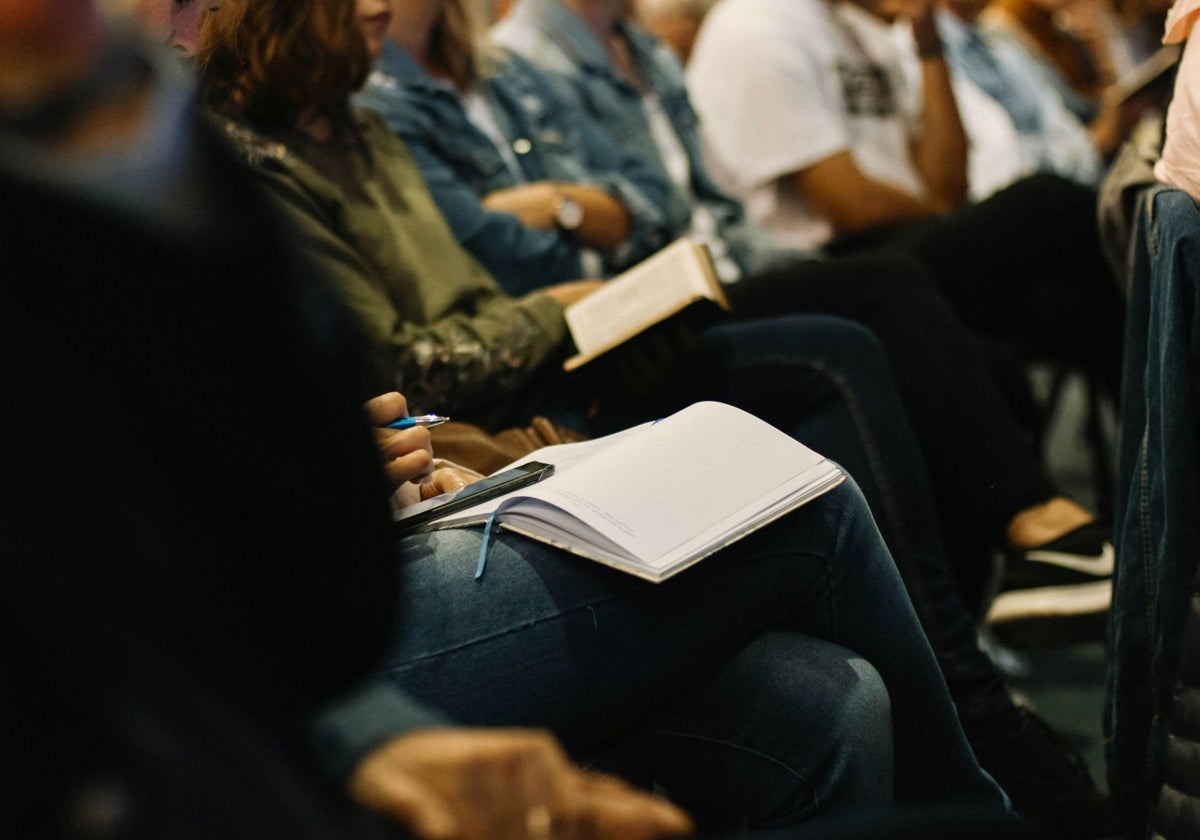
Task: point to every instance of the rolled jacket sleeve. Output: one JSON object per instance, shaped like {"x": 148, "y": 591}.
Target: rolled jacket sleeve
{"x": 343, "y": 732}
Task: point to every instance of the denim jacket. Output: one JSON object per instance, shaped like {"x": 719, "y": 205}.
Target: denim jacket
{"x": 551, "y": 142}
{"x": 555, "y": 37}
{"x": 1154, "y": 640}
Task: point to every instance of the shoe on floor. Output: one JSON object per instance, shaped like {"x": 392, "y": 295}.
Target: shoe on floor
{"x": 1057, "y": 593}
{"x": 1044, "y": 775}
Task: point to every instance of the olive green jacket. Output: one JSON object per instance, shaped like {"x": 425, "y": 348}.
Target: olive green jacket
{"x": 441, "y": 330}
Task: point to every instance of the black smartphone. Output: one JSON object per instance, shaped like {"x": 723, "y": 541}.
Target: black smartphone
{"x": 414, "y": 516}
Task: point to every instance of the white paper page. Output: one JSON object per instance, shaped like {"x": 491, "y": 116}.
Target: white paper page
{"x": 678, "y": 477}
{"x": 813, "y": 482}
{"x": 656, "y": 285}
{"x": 562, "y": 455}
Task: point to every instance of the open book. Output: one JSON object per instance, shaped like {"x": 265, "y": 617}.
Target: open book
{"x": 652, "y": 291}
{"x": 656, "y": 498}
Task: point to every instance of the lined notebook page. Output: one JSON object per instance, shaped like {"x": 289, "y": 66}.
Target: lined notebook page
{"x": 660, "y": 486}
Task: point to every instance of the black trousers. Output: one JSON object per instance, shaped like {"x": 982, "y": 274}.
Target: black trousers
{"x": 1023, "y": 266}
{"x": 981, "y": 462}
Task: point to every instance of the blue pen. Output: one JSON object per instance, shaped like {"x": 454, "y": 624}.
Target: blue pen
{"x": 426, "y": 420}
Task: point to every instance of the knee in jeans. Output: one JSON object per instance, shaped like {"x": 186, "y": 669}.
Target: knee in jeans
{"x": 847, "y": 734}
{"x": 866, "y": 716}
{"x": 849, "y": 346}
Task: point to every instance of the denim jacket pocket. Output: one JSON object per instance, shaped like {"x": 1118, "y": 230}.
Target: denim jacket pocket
{"x": 474, "y": 158}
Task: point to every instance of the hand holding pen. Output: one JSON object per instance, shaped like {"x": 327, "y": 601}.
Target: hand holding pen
{"x": 407, "y": 451}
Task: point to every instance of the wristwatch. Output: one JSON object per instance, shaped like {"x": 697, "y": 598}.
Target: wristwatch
{"x": 568, "y": 213}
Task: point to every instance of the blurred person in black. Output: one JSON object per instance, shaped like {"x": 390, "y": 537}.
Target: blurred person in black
{"x": 168, "y": 611}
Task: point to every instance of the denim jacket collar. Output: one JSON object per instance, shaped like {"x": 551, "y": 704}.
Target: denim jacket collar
{"x": 399, "y": 66}
{"x": 568, "y": 30}
{"x": 509, "y": 94}
{"x": 575, "y": 38}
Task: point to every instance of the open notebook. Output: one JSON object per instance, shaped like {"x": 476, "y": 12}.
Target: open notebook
{"x": 656, "y": 498}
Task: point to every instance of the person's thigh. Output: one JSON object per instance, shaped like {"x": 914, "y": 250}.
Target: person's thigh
{"x": 1026, "y": 265}
{"x": 980, "y": 461}
{"x": 546, "y": 639}
{"x": 724, "y": 750}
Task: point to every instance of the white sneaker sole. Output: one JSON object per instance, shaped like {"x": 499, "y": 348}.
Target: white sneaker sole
{"x": 1051, "y": 601}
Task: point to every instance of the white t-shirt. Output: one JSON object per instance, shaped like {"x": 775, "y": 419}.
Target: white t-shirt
{"x": 783, "y": 84}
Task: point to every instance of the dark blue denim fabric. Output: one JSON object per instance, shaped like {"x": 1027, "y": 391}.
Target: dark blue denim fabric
{"x": 551, "y": 141}
{"x": 714, "y": 681}
{"x": 825, "y": 381}
{"x": 1158, "y": 493}
{"x": 553, "y": 36}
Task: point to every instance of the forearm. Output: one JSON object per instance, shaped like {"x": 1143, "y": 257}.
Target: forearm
{"x": 854, "y": 202}
{"x": 940, "y": 152}
{"x": 880, "y": 204}
{"x": 605, "y": 220}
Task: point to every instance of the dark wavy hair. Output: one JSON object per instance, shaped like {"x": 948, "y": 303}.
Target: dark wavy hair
{"x": 267, "y": 61}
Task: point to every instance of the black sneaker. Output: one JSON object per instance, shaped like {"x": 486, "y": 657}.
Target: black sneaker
{"x": 1046, "y": 778}
{"x": 1056, "y": 594}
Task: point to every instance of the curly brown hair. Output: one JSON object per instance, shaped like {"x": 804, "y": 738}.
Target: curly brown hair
{"x": 268, "y": 61}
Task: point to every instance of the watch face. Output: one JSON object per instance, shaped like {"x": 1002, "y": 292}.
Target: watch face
{"x": 568, "y": 215}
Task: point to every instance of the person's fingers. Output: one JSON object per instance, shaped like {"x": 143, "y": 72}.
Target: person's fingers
{"x": 539, "y": 779}
{"x": 408, "y": 467}
{"x": 611, "y": 808}
{"x": 510, "y": 785}
{"x": 482, "y": 785}
{"x": 405, "y": 799}
{"x": 385, "y": 408}
{"x": 394, "y": 443}
{"x": 445, "y": 480}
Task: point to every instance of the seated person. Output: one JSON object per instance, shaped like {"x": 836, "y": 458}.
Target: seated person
{"x": 221, "y": 547}
{"x": 575, "y": 206}
{"x": 443, "y": 329}
{"x": 1077, "y": 57}
{"x": 1041, "y": 134}
{"x": 175, "y": 593}
{"x": 1057, "y": 139}
{"x": 472, "y": 648}
{"x": 459, "y": 118}
{"x": 851, "y": 161}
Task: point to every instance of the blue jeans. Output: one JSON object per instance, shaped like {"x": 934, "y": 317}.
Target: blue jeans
{"x": 1158, "y": 493}
{"x": 826, "y": 382}
{"x": 755, "y": 684}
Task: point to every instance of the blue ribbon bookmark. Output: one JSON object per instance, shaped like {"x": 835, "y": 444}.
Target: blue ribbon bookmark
{"x": 483, "y": 546}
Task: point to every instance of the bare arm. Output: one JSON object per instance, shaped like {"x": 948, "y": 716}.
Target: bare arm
{"x": 605, "y": 220}
{"x": 940, "y": 151}
{"x": 852, "y": 201}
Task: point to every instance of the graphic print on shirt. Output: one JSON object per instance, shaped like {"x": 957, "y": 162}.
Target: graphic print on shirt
{"x": 866, "y": 89}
